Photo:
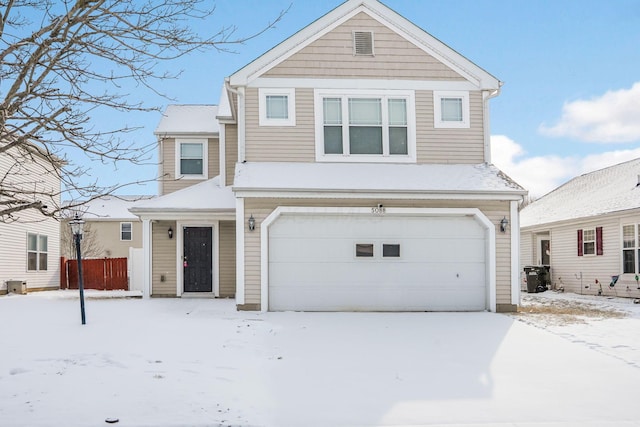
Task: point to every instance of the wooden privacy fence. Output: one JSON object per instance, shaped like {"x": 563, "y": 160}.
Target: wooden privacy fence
{"x": 104, "y": 274}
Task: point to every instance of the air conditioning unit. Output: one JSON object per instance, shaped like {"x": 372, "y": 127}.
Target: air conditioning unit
{"x": 16, "y": 287}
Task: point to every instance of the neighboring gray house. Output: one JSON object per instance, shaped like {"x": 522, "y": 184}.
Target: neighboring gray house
{"x": 586, "y": 230}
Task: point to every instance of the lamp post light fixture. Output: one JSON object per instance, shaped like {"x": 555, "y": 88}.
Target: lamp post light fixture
{"x": 77, "y": 227}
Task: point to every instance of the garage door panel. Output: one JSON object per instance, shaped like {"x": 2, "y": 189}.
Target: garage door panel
{"x": 312, "y": 263}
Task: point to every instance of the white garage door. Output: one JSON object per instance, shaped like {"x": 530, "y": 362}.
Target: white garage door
{"x": 364, "y": 263}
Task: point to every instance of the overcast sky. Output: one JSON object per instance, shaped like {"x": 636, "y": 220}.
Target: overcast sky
{"x": 570, "y": 102}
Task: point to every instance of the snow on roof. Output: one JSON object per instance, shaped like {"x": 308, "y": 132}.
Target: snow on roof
{"x": 606, "y": 190}
{"x": 188, "y": 119}
{"x": 204, "y": 196}
{"x": 358, "y": 177}
{"x": 111, "y": 207}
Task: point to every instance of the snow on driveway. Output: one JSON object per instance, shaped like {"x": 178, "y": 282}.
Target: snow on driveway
{"x": 198, "y": 362}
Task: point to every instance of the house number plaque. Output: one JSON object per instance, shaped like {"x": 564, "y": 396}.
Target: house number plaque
{"x": 378, "y": 210}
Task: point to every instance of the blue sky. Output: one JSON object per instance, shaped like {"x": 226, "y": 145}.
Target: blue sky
{"x": 570, "y": 102}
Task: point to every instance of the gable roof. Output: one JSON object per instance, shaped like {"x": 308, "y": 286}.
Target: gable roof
{"x": 188, "y": 120}
{"x": 384, "y": 15}
{"x": 111, "y": 208}
{"x": 612, "y": 189}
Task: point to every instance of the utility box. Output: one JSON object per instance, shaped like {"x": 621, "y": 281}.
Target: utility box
{"x": 16, "y": 287}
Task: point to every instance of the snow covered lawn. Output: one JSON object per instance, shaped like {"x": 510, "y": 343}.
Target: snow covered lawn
{"x": 193, "y": 362}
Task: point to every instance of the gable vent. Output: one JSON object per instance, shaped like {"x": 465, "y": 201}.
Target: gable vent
{"x": 363, "y": 42}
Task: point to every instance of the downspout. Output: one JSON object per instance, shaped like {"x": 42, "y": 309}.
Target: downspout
{"x": 486, "y": 96}
{"x": 240, "y": 119}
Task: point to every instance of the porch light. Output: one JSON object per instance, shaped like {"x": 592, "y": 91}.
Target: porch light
{"x": 77, "y": 228}
{"x": 252, "y": 223}
{"x": 170, "y": 232}
{"x": 503, "y": 224}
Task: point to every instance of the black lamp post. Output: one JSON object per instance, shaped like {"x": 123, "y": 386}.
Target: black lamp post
{"x": 77, "y": 225}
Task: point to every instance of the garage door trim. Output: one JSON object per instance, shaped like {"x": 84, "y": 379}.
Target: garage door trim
{"x": 294, "y": 210}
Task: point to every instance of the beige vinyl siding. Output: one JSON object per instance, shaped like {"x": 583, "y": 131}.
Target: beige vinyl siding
{"x": 331, "y": 56}
{"x": 163, "y": 260}
{"x": 567, "y": 266}
{"x": 227, "y": 259}
{"x": 168, "y": 182}
{"x": 13, "y": 235}
{"x": 261, "y": 208}
{"x": 281, "y": 144}
{"x": 105, "y": 238}
{"x": 231, "y": 152}
{"x": 449, "y": 145}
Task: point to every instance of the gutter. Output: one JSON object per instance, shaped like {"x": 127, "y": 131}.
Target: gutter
{"x": 240, "y": 118}
{"x": 486, "y": 96}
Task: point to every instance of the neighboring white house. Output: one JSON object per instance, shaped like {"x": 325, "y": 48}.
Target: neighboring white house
{"x": 348, "y": 168}
{"x": 30, "y": 241}
{"x": 588, "y": 230}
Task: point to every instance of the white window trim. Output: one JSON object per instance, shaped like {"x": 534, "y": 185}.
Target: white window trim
{"x": 585, "y": 241}
{"x": 205, "y": 158}
{"x": 437, "y": 110}
{"x": 634, "y": 249}
{"x": 37, "y": 252}
{"x": 131, "y": 239}
{"x": 409, "y": 95}
{"x": 290, "y": 93}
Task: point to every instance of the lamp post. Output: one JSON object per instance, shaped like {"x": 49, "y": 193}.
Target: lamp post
{"x": 77, "y": 225}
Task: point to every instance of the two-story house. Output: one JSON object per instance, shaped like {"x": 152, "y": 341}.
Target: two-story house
{"x": 348, "y": 169}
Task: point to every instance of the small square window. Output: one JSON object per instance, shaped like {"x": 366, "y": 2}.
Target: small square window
{"x": 364, "y": 250}
{"x": 277, "y": 107}
{"x": 451, "y": 109}
{"x": 391, "y": 250}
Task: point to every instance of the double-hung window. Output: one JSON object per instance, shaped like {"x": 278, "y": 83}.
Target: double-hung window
{"x": 451, "y": 109}
{"x": 126, "y": 231}
{"x": 37, "y": 252}
{"x": 363, "y": 126}
{"x": 191, "y": 155}
{"x": 277, "y": 107}
{"x": 630, "y": 248}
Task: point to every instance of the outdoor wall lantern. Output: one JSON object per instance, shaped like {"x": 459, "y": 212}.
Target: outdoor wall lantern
{"x": 503, "y": 224}
{"x": 252, "y": 223}
{"x": 170, "y": 232}
{"x": 77, "y": 228}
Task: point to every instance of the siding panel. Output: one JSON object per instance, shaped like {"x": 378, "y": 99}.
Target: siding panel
{"x": 227, "y": 259}
{"x": 163, "y": 260}
{"x": 169, "y": 183}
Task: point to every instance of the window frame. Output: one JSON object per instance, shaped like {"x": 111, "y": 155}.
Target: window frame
{"x": 438, "y": 123}
{"x": 130, "y": 232}
{"x": 635, "y": 249}
{"x": 384, "y": 96}
{"x": 205, "y": 158}
{"x": 585, "y": 241}
{"x": 290, "y": 93}
{"x": 38, "y": 252}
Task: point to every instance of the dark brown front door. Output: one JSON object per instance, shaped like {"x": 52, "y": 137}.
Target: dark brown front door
{"x": 197, "y": 259}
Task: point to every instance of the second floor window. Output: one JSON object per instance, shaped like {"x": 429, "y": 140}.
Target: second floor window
{"x": 37, "y": 252}
{"x": 277, "y": 107}
{"x": 191, "y": 159}
{"x": 451, "y": 109}
{"x": 363, "y": 127}
{"x": 126, "y": 231}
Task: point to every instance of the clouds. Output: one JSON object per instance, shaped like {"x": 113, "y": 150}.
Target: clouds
{"x": 541, "y": 174}
{"x": 611, "y": 118}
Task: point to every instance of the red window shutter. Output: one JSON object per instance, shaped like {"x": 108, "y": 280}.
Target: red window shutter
{"x": 580, "y": 243}
{"x": 599, "y": 250}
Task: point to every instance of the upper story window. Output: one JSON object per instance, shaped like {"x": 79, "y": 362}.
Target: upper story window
{"x": 37, "y": 252}
{"x": 277, "y": 107}
{"x": 191, "y": 155}
{"x": 363, "y": 126}
{"x": 451, "y": 109}
{"x": 126, "y": 231}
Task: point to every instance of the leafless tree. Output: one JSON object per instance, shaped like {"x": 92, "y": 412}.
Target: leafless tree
{"x": 91, "y": 247}
{"x": 63, "y": 63}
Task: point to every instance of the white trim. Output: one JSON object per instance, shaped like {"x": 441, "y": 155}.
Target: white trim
{"x": 290, "y": 93}
{"x": 205, "y": 158}
{"x": 147, "y": 243}
{"x": 372, "y": 194}
{"x": 371, "y": 84}
{"x": 242, "y": 125}
{"x": 215, "y": 254}
{"x": 475, "y": 212}
{"x": 384, "y": 95}
{"x": 438, "y": 123}
{"x": 222, "y": 146}
{"x": 515, "y": 252}
{"x": 239, "y": 251}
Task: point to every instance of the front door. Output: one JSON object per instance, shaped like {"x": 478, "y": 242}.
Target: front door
{"x": 197, "y": 263}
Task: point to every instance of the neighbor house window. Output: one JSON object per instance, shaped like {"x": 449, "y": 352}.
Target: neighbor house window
{"x": 359, "y": 126}
{"x": 364, "y": 250}
{"x": 630, "y": 248}
{"x": 390, "y": 250}
{"x": 126, "y": 231}
{"x": 451, "y": 109}
{"x": 37, "y": 252}
{"x": 590, "y": 241}
{"x": 277, "y": 107}
{"x": 191, "y": 157}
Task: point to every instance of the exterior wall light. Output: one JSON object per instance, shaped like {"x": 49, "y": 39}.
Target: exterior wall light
{"x": 503, "y": 224}
{"x": 170, "y": 232}
{"x": 252, "y": 223}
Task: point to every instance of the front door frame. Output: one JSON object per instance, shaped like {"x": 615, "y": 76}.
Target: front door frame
{"x": 215, "y": 253}
{"x": 538, "y": 251}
